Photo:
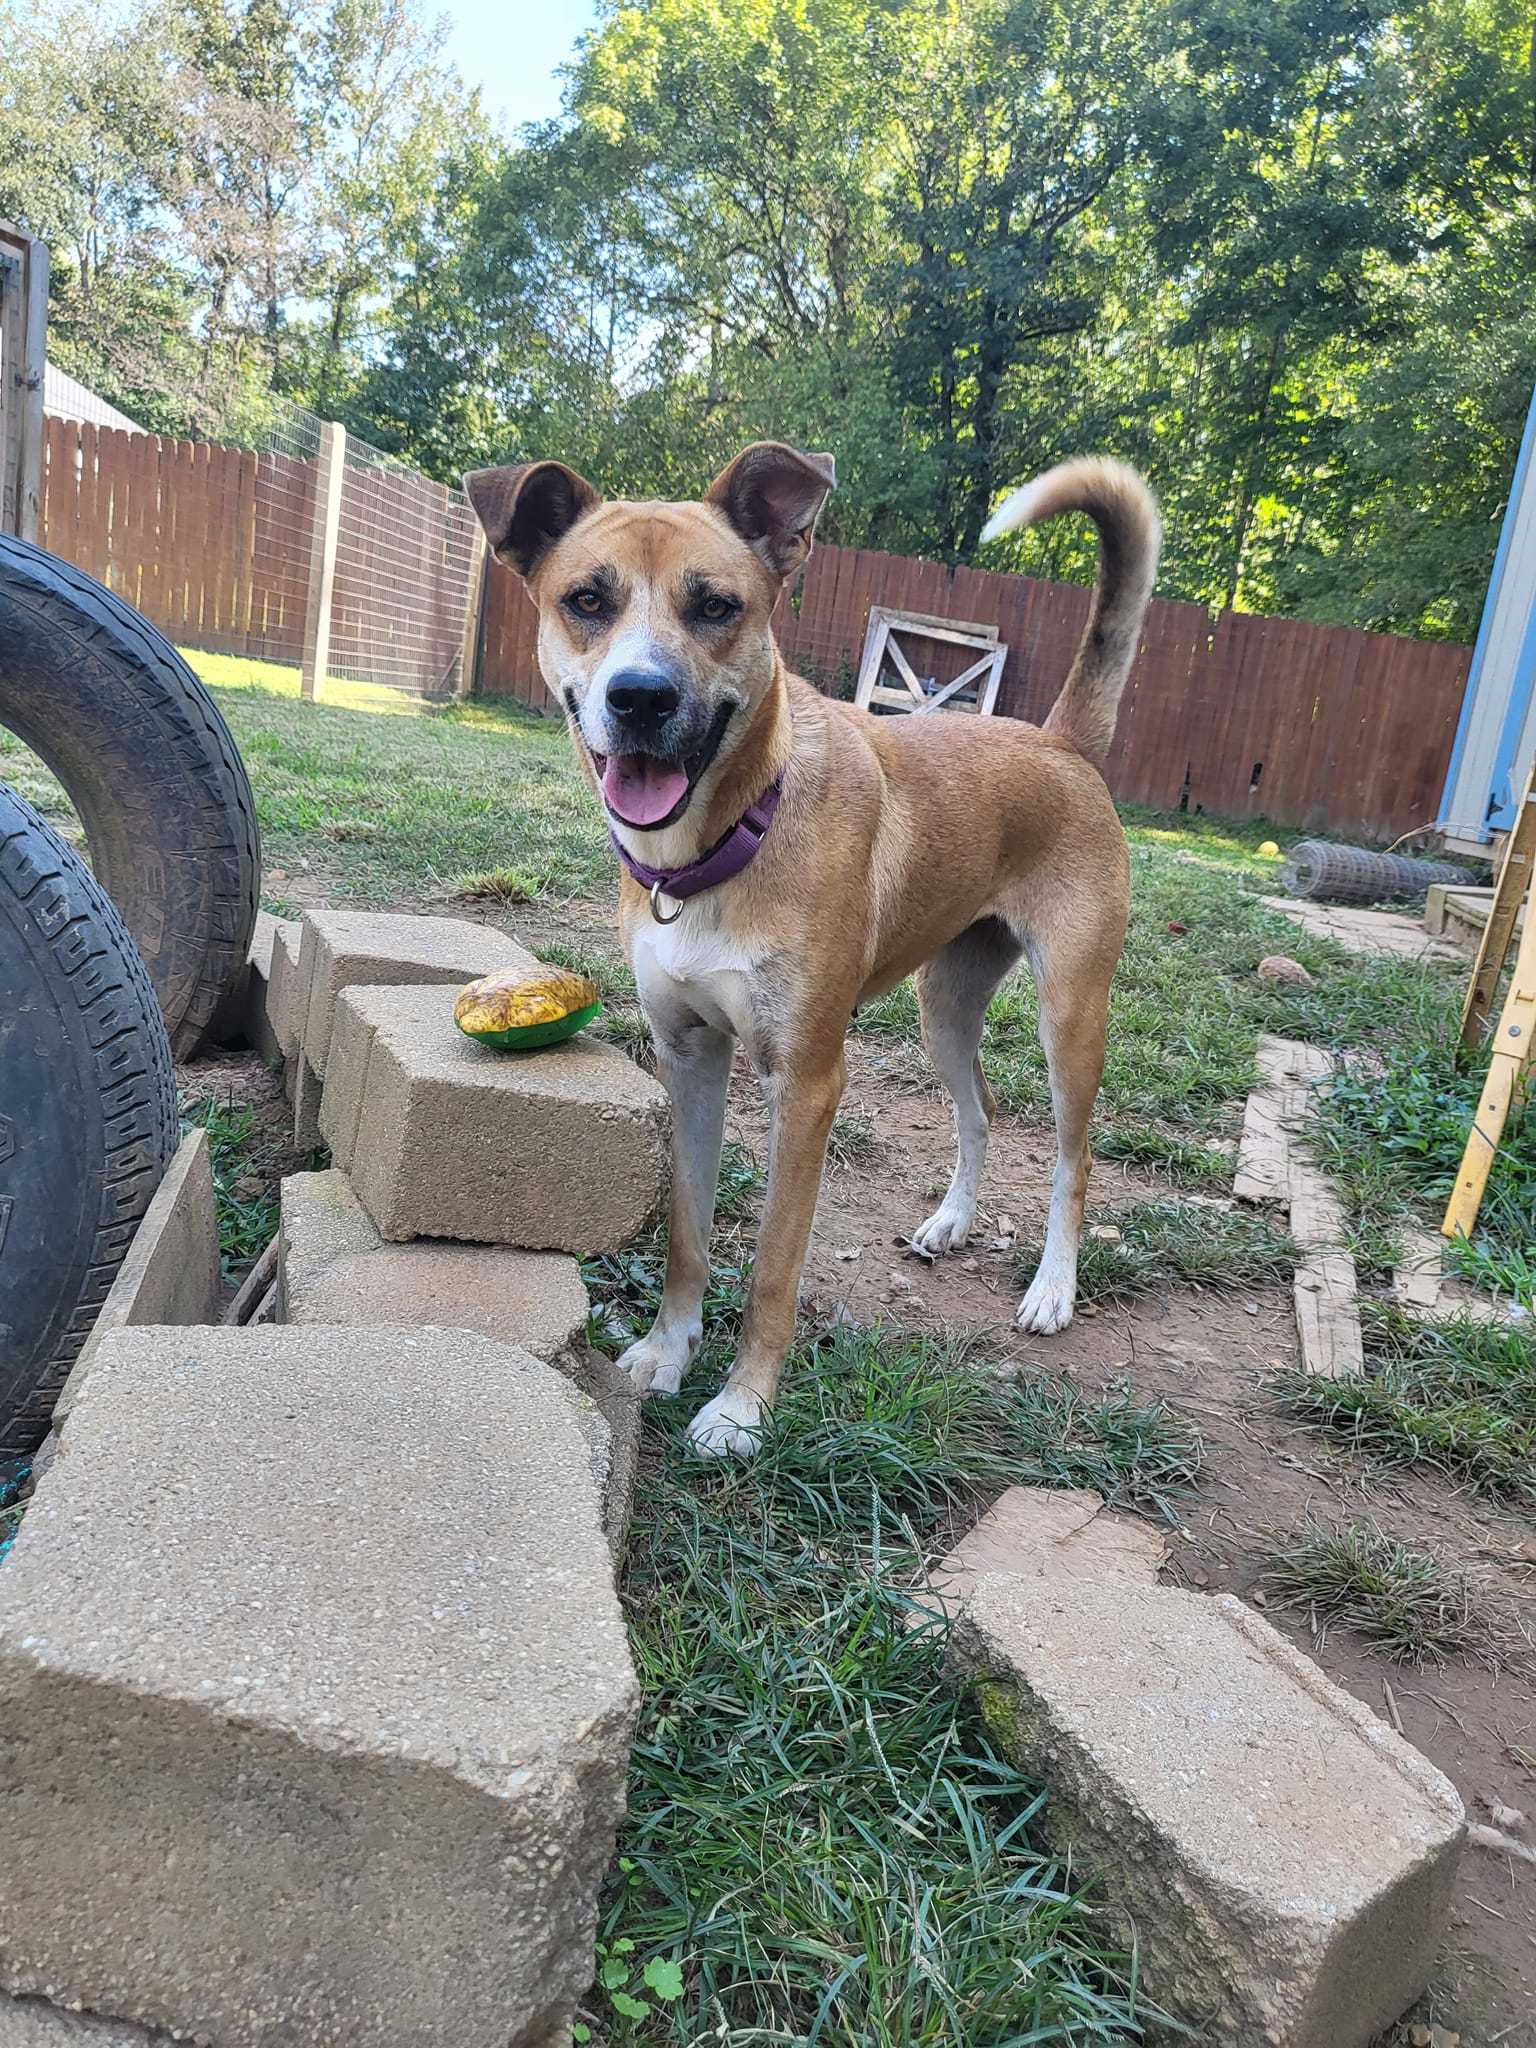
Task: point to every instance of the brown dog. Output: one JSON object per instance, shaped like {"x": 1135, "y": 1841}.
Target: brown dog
{"x": 948, "y": 845}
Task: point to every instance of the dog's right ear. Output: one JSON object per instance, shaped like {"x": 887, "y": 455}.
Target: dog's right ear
{"x": 526, "y": 508}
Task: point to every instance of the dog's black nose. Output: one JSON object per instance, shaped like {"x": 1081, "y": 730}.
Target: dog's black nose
{"x": 643, "y": 696}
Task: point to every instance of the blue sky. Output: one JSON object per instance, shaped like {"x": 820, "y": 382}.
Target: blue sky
{"x": 510, "y": 49}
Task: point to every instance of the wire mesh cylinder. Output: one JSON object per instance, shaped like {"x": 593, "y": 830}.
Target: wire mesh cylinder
{"x": 1325, "y": 873}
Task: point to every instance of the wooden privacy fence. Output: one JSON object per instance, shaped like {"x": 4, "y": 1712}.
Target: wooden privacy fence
{"x": 1314, "y": 726}
{"x": 1321, "y": 727}
{"x": 341, "y": 562}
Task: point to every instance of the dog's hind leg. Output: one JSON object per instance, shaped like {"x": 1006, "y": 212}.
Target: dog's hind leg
{"x": 694, "y": 1061}
{"x": 1073, "y": 977}
{"x": 953, "y": 991}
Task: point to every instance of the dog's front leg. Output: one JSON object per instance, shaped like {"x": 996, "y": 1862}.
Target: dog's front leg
{"x": 803, "y": 1102}
{"x": 694, "y": 1062}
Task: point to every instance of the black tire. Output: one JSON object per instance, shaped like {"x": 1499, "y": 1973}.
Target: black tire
{"x": 87, "y": 1111}
{"x": 149, "y": 765}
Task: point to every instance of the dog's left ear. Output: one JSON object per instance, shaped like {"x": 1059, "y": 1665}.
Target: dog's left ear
{"x": 772, "y": 495}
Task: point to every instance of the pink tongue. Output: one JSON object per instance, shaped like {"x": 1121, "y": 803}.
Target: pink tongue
{"x": 641, "y": 790}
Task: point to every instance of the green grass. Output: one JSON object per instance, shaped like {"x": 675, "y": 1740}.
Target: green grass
{"x": 1391, "y": 1127}
{"x": 1173, "y": 1244}
{"x": 823, "y": 1842}
{"x": 1407, "y": 1602}
{"x": 1456, "y": 1396}
{"x": 243, "y": 1191}
{"x": 1183, "y": 1161}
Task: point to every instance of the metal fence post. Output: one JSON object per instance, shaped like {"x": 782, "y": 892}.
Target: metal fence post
{"x": 322, "y": 558}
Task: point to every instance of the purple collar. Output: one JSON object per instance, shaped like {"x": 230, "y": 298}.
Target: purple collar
{"x": 727, "y": 857}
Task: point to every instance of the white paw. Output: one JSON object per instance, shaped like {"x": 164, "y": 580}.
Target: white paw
{"x": 946, "y": 1229}
{"x": 1048, "y": 1305}
{"x": 655, "y": 1364}
{"x": 730, "y": 1426}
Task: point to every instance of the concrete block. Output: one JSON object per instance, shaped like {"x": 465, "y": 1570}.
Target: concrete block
{"x": 335, "y": 1270}
{"x": 334, "y": 1267}
{"x": 1034, "y": 1529}
{"x": 366, "y": 949}
{"x": 319, "y": 1735}
{"x": 246, "y": 1015}
{"x": 557, "y": 1150}
{"x": 283, "y": 1008}
{"x": 307, "y": 1087}
{"x": 34, "y": 2023}
{"x": 1286, "y": 1860}
{"x": 171, "y": 1273}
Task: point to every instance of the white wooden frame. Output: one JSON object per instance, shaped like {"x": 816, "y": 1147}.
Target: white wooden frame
{"x": 881, "y": 646}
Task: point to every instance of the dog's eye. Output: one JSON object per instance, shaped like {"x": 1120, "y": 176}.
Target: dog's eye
{"x": 588, "y": 602}
{"x": 714, "y": 610}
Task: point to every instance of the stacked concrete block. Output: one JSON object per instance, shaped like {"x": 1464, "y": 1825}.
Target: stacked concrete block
{"x": 1285, "y": 1861}
{"x": 334, "y": 1267}
{"x": 335, "y": 1271}
{"x": 557, "y": 1150}
{"x": 315, "y": 1701}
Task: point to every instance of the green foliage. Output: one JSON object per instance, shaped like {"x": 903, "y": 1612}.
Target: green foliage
{"x": 244, "y": 1186}
{"x": 1404, "y": 1601}
{"x": 1457, "y": 1394}
{"x": 1167, "y": 1244}
{"x": 1280, "y": 255}
{"x": 1391, "y": 1127}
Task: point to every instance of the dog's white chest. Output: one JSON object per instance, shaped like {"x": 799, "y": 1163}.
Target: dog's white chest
{"x": 693, "y": 965}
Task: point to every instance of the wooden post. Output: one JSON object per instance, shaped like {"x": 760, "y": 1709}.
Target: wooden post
{"x": 33, "y": 369}
{"x": 23, "y": 352}
{"x": 1513, "y": 1041}
{"x": 322, "y": 558}
{"x": 474, "y": 606}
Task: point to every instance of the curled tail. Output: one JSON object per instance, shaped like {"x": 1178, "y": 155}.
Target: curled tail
{"x": 1130, "y": 534}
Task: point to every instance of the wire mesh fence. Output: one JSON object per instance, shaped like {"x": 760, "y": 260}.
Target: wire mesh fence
{"x": 390, "y": 559}
{"x": 310, "y": 548}
{"x": 283, "y": 532}
{"x": 407, "y": 567}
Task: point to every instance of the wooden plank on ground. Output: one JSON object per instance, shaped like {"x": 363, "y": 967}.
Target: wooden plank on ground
{"x": 1328, "y": 1317}
{"x": 1418, "y": 1274}
{"x": 1273, "y": 1109}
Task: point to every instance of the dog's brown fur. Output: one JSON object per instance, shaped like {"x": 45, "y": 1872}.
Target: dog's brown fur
{"x": 946, "y": 845}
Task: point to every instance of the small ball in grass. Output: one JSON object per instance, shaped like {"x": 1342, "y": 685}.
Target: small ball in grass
{"x": 1269, "y": 851}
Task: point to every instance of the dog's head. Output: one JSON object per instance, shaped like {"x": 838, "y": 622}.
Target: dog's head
{"x": 654, "y": 618}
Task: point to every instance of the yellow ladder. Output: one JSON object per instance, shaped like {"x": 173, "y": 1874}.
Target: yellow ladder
{"x": 1514, "y": 1034}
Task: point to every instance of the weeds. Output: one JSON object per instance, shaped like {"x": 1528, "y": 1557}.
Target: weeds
{"x": 852, "y": 1140}
{"x": 243, "y": 1193}
{"x": 1456, "y": 1395}
{"x": 1165, "y": 1244}
{"x": 1404, "y": 1601}
{"x": 495, "y": 885}
{"x": 823, "y": 1843}
{"x": 1183, "y": 1161}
